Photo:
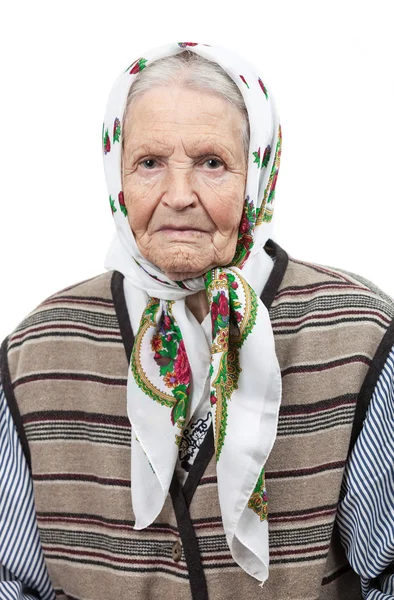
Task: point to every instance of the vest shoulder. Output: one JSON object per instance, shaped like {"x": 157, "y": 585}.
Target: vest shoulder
{"x": 98, "y": 285}
{"x": 82, "y": 294}
{"x": 325, "y": 279}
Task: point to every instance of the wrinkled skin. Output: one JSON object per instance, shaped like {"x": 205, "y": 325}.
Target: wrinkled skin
{"x": 184, "y": 208}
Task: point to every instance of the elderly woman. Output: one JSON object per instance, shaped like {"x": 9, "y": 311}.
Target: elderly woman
{"x": 158, "y": 409}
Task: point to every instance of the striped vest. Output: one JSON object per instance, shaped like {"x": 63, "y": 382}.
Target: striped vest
{"x": 64, "y": 370}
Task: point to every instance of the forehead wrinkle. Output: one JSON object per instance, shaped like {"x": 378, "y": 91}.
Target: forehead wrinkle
{"x": 196, "y": 148}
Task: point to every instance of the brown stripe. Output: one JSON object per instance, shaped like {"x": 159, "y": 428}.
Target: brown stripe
{"x": 291, "y": 410}
{"x": 70, "y": 377}
{"x": 66, "y": 326}
{"x": 308, "y": 289}
{"x": 327, "y": 365}
{"x": 81, "y": 477}
{"x": 125, "y": 565}
{"x": 86, "y": 520}
{"x": 80, "y": 300}
{"x": 76, "y": 415}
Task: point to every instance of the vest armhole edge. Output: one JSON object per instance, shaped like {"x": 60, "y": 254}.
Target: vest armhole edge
{"x": 375, "y": 368}
{"x": 11, "y": 400}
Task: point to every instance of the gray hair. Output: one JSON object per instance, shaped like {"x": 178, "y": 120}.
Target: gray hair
{"x": 191, "y": 71}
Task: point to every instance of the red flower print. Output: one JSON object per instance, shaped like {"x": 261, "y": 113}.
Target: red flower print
{"x": 169, "y": 338}
{"x": 223, "y": 305}
{"x": 246, "y": 241}
{"x": 274, "y": 181}
{"x": 181, "y": 365}
{"x": 214, "y": 311}
{"x": 238, "y": 316}
{"x": 213, "y": 399}
{"x": 244, "y": 225}
{"x": 138, "y": 66}
{"x": 266, "y": 157}
{"x": 234, "y": 285}
{"x": 167, "y": 322}
{"x": 122, "y": 203}
{"x": 156, "y": 343}
{"x": 244, "y": 80}
{"x": 106, "y": 142}
{"x": 263, "y": 87}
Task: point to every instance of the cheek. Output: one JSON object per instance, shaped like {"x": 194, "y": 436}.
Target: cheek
{"x": 139, "y": 206}
{"x": 226, "y": 213}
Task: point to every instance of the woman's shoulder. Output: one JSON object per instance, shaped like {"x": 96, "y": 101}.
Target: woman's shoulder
{"x": 96, "y": 285}
{"x": 85, "y": 300}
{"x": 322, "y": 279}
{"x": 311, "y": 286}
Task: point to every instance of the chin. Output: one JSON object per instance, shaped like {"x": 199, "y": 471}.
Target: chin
{"x": 179, "y": 264}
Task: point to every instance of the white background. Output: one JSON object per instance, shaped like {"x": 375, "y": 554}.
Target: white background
{"x": 328, "y": 63}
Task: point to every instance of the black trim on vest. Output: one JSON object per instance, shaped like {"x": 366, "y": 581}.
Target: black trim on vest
{"x": 341, "y": 571}
{"x": 11, "y": 400}
{"x": 182, "y": 496}
{"x": 198, "y": 584}
{"x": 275, "y": 279}
{"x": 31, "y": 592}
{"x": 370, "y": 381}
{"x": 122, "y": 314}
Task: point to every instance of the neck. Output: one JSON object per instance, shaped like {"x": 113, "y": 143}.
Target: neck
{"x": 198, "y": 304}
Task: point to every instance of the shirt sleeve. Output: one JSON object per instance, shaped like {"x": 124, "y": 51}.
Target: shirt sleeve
{"x": 23, "y": 574}
{"x": 366, "y": 510}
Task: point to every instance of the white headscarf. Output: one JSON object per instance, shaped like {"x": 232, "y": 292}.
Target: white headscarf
{"x": 171, "y": 359}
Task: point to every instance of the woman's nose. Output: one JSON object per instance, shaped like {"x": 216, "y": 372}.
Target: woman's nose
{"x": 179, "y": 192}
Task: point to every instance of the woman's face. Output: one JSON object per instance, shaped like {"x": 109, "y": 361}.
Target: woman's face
{"x": 184, "y": 178}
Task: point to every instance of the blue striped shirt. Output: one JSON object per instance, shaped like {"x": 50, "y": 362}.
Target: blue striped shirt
{"x": 365, "y": 511}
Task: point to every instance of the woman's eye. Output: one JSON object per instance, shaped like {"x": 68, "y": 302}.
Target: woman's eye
{"x": 214, "y": 160}
{"x": 147, "y": 160}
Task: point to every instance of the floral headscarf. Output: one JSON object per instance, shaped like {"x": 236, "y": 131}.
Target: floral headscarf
{"x": 171, "y": 361}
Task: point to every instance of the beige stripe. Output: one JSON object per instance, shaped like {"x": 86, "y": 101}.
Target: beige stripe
{"x": 106, "y": 501}
{"x": 283, "y": 494}
{"x": 83, "y": 458}
{"x": 67, "y": 354}
{"x": 90, "y": 582}
{"x": 66, "y": 395}
{"x": 99, "y": 286}
{"x": 308, "y": 347}
{"x": 298, "y": 582}
{"x": 299, "y": 452}
{"x": 311, "y": 387}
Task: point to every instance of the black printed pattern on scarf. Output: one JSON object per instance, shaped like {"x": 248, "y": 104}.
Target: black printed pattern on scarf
{"x": 192, "y": 438}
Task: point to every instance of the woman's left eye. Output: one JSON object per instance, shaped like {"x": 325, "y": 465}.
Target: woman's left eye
{"x": 215, "y": 160}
